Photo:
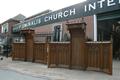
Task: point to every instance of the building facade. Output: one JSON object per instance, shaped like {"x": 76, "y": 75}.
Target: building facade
{"x": 102, "y": 20}
{"x": 6, "y": 28}
{"x": 56, "y": 32}
{"x": 52, "y": 24}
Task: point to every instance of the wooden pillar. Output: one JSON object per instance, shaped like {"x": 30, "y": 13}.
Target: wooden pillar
{"x": 77, "y": 41}
{"x": 48, "y": 56}
{"x": 110, "y": 59}
{"x": 29, "y": 42}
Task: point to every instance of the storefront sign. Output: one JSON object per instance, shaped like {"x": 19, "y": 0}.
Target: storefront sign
{"x": 86, "y": 8}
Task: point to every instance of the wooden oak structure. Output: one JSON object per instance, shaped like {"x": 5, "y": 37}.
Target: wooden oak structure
{"x": 76, "y": 54}
{"x": 28, "y": 33}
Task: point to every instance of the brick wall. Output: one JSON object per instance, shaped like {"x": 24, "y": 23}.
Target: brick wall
{"x": 46, "y": 29}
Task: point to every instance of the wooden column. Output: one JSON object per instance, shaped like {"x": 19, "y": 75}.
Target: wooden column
{"x": 77, "y": 55}
{"x": 29, "y": 42}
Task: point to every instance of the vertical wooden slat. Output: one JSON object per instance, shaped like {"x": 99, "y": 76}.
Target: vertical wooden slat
{"x": 110, "y": 59}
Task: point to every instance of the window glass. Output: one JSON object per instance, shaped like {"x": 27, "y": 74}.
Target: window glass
{"x": 5, "y": 28}
{"x": 56, "y": 35}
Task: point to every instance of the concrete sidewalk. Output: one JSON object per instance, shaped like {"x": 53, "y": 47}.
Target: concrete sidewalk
{"x": 37, "y": 70}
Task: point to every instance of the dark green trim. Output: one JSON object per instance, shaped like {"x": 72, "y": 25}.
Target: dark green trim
{"x": 108, "y": 15}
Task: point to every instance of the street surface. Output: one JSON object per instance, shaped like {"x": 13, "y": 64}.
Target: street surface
{"x": 12, "y": 75}
{"x": 20, "y": 70}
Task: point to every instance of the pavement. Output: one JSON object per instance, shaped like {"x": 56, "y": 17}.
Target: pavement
{"x": 12, "y": 75}
{"x": 40, "y": 70}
